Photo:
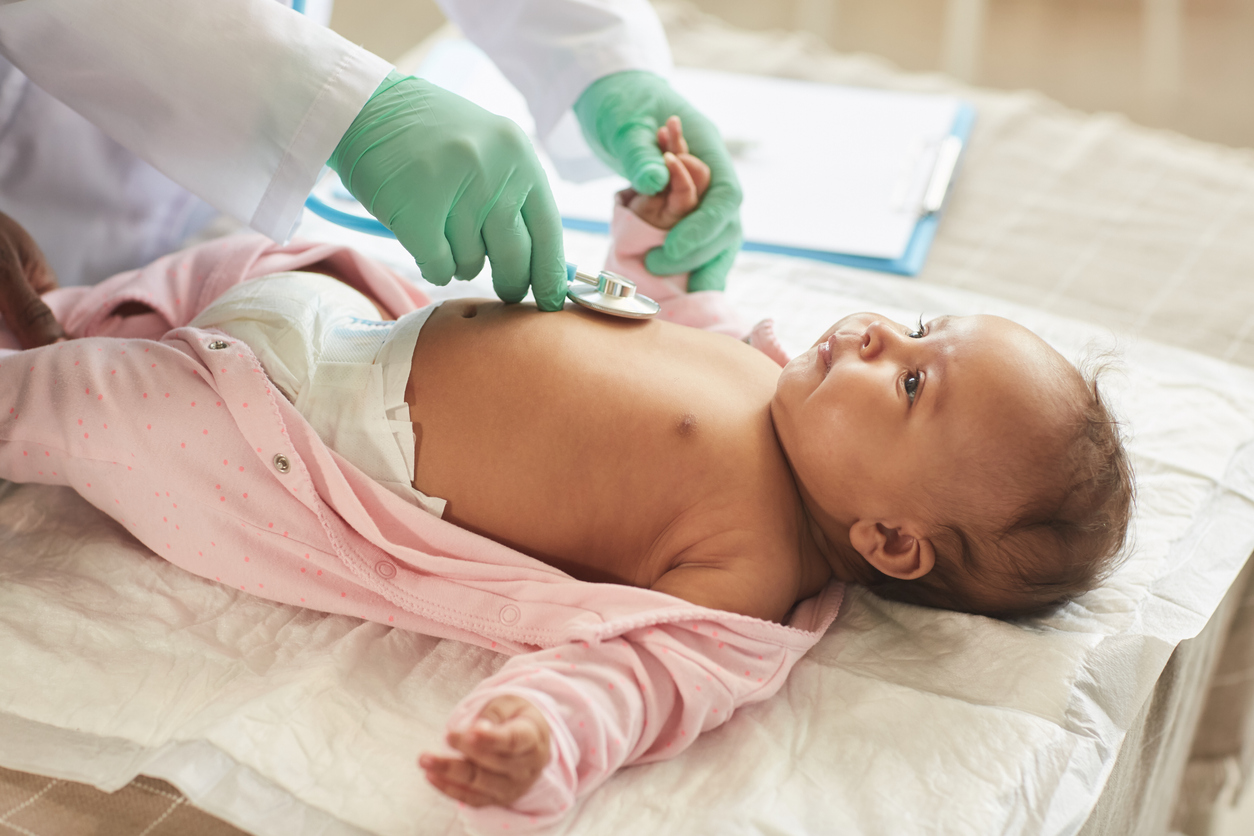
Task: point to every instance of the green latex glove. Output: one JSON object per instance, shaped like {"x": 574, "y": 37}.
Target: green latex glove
{"x": 455, "y": 183}
{"x": 620, "y": 115}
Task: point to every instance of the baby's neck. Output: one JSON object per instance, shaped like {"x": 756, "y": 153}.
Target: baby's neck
{"x": 824, "y": 557}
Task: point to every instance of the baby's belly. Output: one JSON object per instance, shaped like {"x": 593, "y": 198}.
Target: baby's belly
{"x": 583, "y": 443}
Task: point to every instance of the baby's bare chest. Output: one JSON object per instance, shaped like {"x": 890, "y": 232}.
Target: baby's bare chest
{"x": 606, "y": 451}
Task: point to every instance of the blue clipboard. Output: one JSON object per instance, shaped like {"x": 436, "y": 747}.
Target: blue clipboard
{"x": 908, "y": 264}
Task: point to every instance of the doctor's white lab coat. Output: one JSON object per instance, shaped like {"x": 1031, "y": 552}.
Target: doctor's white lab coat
{"x": 125, "y": 125}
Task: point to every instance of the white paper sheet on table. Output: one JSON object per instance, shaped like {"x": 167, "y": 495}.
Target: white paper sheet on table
{"x": 823, "y": 167}
{"x": 901, "y": 720}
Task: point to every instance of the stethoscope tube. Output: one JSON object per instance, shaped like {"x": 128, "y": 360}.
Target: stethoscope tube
{"x": 357, "y": 223}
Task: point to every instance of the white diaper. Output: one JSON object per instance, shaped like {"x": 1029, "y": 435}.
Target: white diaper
{"x": 322, "y": 344}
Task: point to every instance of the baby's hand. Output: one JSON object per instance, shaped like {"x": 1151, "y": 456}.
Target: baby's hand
{"x": 506, "y": 749}
{"x": 689, "y": 179}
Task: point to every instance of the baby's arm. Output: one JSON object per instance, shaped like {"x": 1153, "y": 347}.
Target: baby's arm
{"x": 641, "y": 696}
{"x": 640, "y": 224}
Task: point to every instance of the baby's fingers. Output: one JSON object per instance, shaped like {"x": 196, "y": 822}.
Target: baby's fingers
{"x": 512, "y": 748}
{"x": 676, "y": 143}
{"x": 699, "y": 170}
{"x": 683, "y": 196}
{"x": 467, "y": 782}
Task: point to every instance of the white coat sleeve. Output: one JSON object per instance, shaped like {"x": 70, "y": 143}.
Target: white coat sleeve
{"x": 239, "y": 101}
{"x": 551, "y": 50}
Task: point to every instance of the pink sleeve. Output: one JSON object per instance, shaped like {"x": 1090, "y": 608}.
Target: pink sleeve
{"x": 630, "y": 240}
{"x": 642, "y": 696}
{"x": 80, "y": 413}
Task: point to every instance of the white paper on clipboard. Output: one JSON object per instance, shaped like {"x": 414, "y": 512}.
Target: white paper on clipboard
{"x": 823, "y": 167}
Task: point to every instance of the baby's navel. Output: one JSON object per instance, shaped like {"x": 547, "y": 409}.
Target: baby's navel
{"x": 687, "y": 425}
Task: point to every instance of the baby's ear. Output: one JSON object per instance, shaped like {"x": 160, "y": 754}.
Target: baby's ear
{"x": 895, "y": 551}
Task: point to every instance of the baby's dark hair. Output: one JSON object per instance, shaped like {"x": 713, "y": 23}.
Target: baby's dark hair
{"x": 1061, "y": 543}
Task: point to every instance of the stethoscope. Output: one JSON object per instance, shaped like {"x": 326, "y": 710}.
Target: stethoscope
{"x": 606, "y": 292}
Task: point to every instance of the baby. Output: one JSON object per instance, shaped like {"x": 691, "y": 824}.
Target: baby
{"x": 960, "y": 463}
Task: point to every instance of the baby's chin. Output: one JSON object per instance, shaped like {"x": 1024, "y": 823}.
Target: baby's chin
{"x": 791, "y": 390}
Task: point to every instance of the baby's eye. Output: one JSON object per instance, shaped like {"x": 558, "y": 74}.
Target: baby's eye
{"x": 919, "y": 331}
{"x": 911, "y": 385}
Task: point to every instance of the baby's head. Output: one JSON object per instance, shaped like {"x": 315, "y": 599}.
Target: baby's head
{"x": 961, "y": 464}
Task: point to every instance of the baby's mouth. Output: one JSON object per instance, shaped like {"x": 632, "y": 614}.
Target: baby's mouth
{"x": 829, "y": 347}
{"x": 825, "y": 353}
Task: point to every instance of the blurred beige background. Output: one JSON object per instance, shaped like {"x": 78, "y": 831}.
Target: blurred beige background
{"x": 1188, "y": 66}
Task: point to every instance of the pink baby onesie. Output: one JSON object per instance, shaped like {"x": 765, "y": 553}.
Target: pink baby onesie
{"x": 178, "y": 434}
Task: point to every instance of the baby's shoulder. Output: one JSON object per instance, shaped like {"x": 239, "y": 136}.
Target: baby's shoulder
{"x": 751, "y": 565}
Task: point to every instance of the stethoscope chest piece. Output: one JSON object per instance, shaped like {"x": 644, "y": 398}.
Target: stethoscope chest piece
{"x": 610, "y": 293}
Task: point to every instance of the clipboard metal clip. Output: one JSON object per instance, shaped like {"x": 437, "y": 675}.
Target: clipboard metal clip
{"x": 942, "y": 174}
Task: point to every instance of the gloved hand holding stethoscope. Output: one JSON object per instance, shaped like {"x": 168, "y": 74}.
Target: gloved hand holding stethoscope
{"x": 233, "y": 106}
{"x": 512, "y": 232}
{"x": 456, "y": 183}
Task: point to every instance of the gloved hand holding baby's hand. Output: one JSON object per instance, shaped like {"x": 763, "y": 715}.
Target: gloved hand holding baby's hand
{"x": 506, "y": 749}
{"x": 689, "y": 179}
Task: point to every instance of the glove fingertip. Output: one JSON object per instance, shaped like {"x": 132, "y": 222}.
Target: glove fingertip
{"x": 658, "y": 263}
{"x": 713, "y": 274}
{"x": 465, "y": 273}
{"x": 702, "y": 279}
{"x": 550, "y": 304}
{"x": 552, "y": 297}
{"x": 650, "y": 178}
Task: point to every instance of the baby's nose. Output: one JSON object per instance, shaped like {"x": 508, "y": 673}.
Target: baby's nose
{"x": 877, "y": 337}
